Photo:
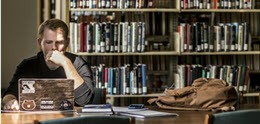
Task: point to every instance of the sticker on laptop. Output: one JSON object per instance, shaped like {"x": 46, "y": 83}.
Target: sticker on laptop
{"x": 28, "y": 87}
{"x": 66, "y": 105}
{"x": 47, "y": 104}
{"x": 28, "y": 105}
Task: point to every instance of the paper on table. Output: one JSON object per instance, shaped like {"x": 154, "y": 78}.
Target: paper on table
{"x": 147, "y": 113}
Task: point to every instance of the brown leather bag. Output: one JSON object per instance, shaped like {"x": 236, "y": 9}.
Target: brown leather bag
{"x": 204, "y": 94}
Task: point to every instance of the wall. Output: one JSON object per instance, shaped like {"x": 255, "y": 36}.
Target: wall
{"x": 19, "y": 33}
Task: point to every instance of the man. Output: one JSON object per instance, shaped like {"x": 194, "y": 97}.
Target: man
{"x": 52, "y": 62}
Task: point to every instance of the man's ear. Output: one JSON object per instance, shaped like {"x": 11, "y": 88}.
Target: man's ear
{"x": 39, "y": 40}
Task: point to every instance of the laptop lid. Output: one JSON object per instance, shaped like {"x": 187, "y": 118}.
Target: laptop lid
{"x": 46, "y": 94}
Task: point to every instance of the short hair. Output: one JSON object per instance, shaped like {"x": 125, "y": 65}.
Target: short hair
{"x": 54, "y": 24}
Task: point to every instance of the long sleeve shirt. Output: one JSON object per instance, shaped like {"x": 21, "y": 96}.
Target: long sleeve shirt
{"x": 35, "y": 67}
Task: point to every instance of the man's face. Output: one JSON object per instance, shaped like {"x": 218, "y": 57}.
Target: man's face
{"x": 52, "y": 40}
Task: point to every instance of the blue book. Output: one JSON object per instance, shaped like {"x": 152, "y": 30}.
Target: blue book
{"x": 111, "y": 80}
{"x": 144, "y": 84}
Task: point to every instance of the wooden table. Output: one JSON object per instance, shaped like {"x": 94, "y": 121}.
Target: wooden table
{"x": 185, "y": 117}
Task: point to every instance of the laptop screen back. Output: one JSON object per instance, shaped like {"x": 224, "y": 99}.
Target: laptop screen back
{"x": 46, "y": 94}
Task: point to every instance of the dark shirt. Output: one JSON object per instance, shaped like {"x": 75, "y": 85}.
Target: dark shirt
{"x": 35, "y": 67}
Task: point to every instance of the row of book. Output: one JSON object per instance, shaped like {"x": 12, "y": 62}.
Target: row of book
{"x": 107, "y": 37}
{"x": 217, "y": 4}
{"x": 200, "y": 37}
{"x": 234, "y": 75}
{"x": 121, "y": 4}
{"x": 51, "y": 9}
{"x": 121, "y": 80}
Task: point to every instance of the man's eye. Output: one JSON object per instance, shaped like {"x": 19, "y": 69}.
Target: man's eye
{"x": 60, "y": 42}
{"x": 48, "y": 42}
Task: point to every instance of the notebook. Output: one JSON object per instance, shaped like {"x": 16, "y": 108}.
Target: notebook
{"x": 46, "y": 94}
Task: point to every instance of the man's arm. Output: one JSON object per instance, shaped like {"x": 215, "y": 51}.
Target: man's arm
{"x": 71, "y": 73}
{"x": 10, "y": 96}
{"x": 80, "y": 72}
{"x": 82, "y": 75}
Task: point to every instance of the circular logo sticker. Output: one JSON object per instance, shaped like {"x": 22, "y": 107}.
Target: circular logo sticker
{"x": 66, "y": 105}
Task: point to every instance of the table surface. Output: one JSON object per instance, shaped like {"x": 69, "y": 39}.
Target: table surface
{"x": 185, "y": 117}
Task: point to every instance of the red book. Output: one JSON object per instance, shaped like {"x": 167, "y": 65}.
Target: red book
{"x": 106, "y": 78}
{"x": 81, "y": 36}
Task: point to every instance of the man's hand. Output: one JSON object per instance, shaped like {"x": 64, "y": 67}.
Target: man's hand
{"x": 10, "y": 103}
{"x": 55, "y": 58}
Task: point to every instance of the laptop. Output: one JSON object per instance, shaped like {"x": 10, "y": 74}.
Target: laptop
{"x": 46, "y": 94}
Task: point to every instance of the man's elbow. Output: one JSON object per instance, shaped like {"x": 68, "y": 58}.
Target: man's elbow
{"x": 85, "y": 99}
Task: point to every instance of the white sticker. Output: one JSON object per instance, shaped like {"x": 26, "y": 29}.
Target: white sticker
{"x": 27, "y": 87}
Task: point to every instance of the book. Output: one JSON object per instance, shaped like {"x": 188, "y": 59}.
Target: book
{"x": 147, "y": 114}
{"x": 98, "y": 108}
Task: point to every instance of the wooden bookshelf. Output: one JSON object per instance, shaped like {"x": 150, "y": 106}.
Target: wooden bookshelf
{"x": 174, "y": 53}
{"x": 223, "y": 53}
{"x": 221, "y": 10}
{"x": 255, "y": 72}
{"x": 168, "y": 53}
{"x": 253, "y": 94}
{"x": 126, "y": 10}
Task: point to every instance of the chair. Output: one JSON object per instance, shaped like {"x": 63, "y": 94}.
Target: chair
{"x": 249, "y": 116}
{"x": 99, "y": 96}
{"x": 89, "y": 120}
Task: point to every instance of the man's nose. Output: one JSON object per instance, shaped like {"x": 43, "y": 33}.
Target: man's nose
{"x": 54, "y": 46}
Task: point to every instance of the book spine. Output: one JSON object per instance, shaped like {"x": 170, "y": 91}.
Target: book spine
{"x": 139, "y": 36}
{"x": 133, "y": 38}
{"x": 129, "y": 45}
{"x": 127, "y": 78}
{"x": 106, "y": 79}
{"x": 96, "y": 77}
{"x": 144, "y": 83}
{"x": 188, "y": 37}
{"x": 109, "y": 85}
{"x": 226, "y": 37}
{"x": 103, "y": 37}
{"x": 246, "y": 36}
{"x": 72, "y": 33}
{"x": 122, "y": 81}
{"x": 116, "y": 37}
{"x": 222, "y": 36}
{"x": 210, "y": 38}
{"x": 82, "y": 36}
{"x": 102, "y": 77}
{"x": 89, "y": 37}
{"x": 232, "y": 37}
{"x": 139, "y": 79}
{"x": 97, "y": 38}
{"x": 107, "y": 37}
{"x": 114, "y": 81}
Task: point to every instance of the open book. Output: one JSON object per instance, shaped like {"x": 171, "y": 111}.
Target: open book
{"x": 147, "y": 113}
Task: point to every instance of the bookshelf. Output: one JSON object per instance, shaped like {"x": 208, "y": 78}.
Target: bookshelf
{"x": 244, "y": 11}
{"x": 168, "y": 35}
{"x": 126, "y": 10}
{"x": 52, "y": 9}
